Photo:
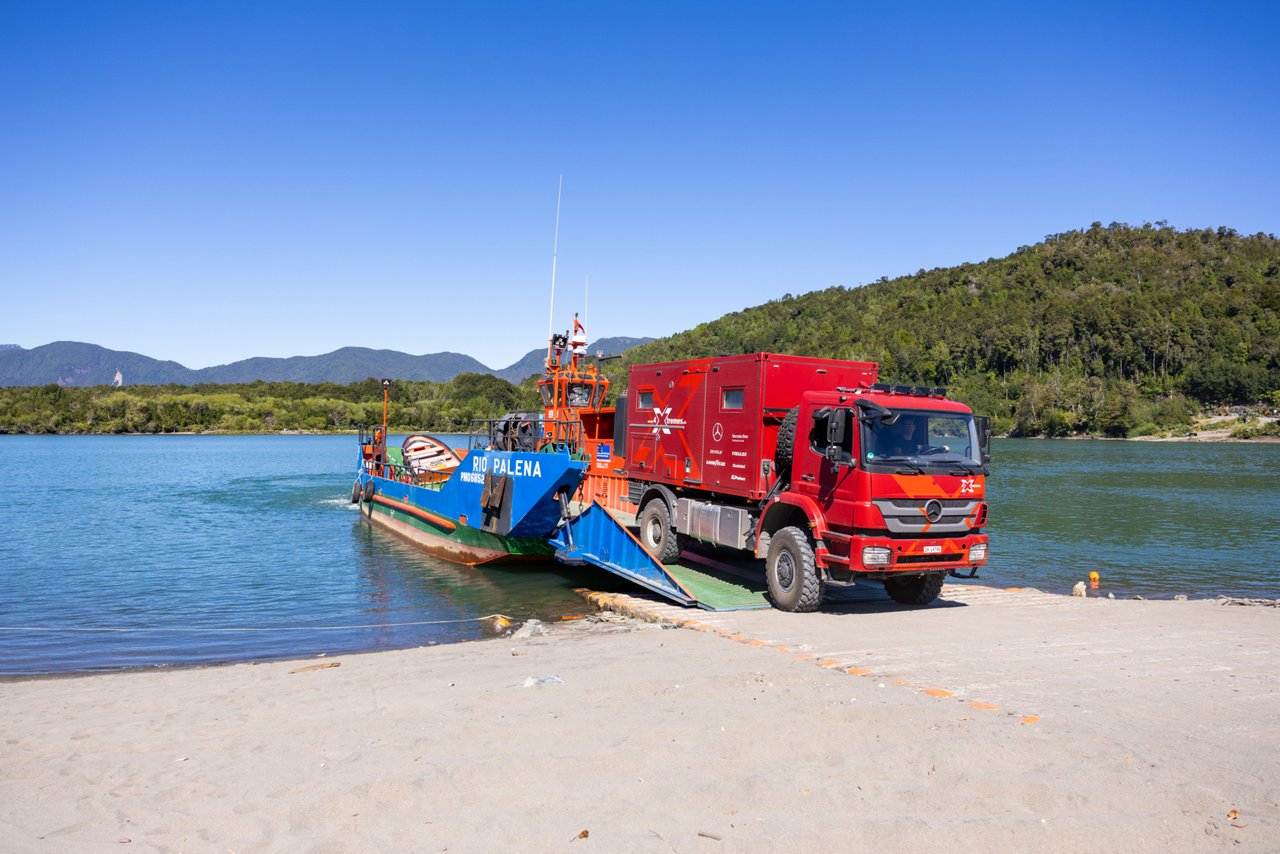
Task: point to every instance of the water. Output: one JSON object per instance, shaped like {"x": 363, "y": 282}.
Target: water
{"x": 1151, "y": 518}
{"x": 169, "y": 537}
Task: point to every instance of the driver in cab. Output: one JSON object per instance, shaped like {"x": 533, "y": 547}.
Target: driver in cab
{"x": 904, "y": 443}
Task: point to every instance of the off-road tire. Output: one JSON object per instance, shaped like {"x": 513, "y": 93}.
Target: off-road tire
{"x": 915, "y": 589}
{"x": 785, "y": 450}
{"x": 656, "y": 532}
{"x": 792, "y": 573}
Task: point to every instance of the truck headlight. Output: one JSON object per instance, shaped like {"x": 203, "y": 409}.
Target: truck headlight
{"x": 875, "y": 556}
{"x": 978, "y": 552}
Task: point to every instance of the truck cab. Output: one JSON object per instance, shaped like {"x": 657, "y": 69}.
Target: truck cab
{"x": 890, "y": 483}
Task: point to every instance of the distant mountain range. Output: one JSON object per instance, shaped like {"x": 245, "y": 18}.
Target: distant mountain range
{"x": 71, "y": 363}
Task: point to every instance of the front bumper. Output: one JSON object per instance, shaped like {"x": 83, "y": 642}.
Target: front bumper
{"x": 926, "y": 554}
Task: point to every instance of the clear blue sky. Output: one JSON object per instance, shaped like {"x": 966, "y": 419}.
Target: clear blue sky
{"x": 206, "y": 182}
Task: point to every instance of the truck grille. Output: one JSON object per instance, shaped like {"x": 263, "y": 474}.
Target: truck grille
{"x": 907, "y": 515}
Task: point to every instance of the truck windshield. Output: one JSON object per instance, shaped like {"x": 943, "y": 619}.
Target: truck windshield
{"x": 921, "y": 440}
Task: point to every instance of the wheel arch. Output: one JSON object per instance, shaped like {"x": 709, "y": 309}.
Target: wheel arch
{"x": 788, "y": 510}
{"x": 651, "y": 490}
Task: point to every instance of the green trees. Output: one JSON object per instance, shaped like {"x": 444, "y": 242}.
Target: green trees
{"x": 258, "y": 407}
{"x": 1090, "y": 331}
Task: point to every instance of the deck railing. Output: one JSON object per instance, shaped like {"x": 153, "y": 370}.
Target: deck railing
{"x": 529, "y": 434}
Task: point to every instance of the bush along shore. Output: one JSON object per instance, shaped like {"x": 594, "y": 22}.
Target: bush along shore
{"x": 259, "y": 407}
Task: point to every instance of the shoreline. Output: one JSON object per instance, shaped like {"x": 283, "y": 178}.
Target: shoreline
{"x": 593, "y": 600}
{"x": 747, "y": 731}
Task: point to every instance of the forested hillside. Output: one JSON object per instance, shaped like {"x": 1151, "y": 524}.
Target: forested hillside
{"x": 1113, "y": 330}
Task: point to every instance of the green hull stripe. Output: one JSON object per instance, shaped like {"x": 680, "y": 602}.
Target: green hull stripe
{"x": 464, "y": 535}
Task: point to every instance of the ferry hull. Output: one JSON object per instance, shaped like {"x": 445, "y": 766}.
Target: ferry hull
{"x": 463, "y": 544}
{"x": 496, "y": 506}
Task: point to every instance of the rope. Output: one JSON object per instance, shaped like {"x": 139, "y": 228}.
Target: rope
{"x": 213, "y": 629}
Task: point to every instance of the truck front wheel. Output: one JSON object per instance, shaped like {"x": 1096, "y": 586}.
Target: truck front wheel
{"x": 794, "y": 584}
{"x": 915, "y": 589}
{"x": 656, "y": 533}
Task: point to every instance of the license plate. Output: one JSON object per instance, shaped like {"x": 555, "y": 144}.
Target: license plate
{"x": 933, "y": 550}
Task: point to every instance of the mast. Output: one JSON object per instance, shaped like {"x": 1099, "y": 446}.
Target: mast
{"x": 555, "y": 247}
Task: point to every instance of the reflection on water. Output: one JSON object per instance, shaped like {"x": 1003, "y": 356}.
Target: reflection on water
{"x": 168, "y": 542}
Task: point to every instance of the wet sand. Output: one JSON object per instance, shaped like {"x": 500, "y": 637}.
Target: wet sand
{"x": 1009, "y": 720}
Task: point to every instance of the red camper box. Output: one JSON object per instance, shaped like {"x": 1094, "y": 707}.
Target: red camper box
{"x": 712, "y": 424}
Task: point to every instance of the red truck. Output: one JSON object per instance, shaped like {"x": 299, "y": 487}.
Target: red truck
{"x": 811, "y": 464}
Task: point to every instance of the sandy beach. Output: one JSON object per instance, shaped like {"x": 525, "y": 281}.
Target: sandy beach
{"x": 1008, "y": 720}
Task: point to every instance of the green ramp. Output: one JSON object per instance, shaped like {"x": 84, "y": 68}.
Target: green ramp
{"x": 596, "y": 537}
{"x": 716, "y": 587}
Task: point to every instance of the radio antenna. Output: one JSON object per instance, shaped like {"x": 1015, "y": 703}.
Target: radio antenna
{"x": 586, "y": 300}
{"x": 555, "y": 247}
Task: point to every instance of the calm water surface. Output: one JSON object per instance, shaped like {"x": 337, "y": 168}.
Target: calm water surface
{"x": 197, "y": 549}
{"x": 1152, "y": 518}
{"x": 178, "y": 535}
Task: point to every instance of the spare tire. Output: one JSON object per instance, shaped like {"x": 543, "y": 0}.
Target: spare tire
{"x": 785, "y": 450}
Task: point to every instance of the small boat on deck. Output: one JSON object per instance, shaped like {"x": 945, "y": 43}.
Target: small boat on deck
{"x": 421, "y": 453}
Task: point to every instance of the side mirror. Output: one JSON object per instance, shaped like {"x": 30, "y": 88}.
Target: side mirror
{"x": 837, "y": 425}
{"x": 983, "y": 425}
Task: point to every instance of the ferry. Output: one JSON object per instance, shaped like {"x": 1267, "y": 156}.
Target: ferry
{"x": 505, "y": 496}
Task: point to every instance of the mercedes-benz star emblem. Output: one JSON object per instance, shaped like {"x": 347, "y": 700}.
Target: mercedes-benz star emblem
{"x": 717, "y": 432}
{"x": 933, "y": 510}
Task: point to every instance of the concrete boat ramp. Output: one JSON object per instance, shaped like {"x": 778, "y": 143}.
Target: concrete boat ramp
{"x": 1146, "y": 680}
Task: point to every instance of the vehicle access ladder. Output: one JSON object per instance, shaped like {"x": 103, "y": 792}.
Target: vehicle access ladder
{"x": 595, "y": 537}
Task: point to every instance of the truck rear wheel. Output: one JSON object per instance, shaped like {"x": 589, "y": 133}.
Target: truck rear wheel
{"x": 792, "y": 573}
{"x": 656, "y": 533}
{"x": 915, "y": 589}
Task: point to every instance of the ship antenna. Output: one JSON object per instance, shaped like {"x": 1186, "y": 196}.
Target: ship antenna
{"x": 586, "y": 300}
{"x": 555, "y": 246}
